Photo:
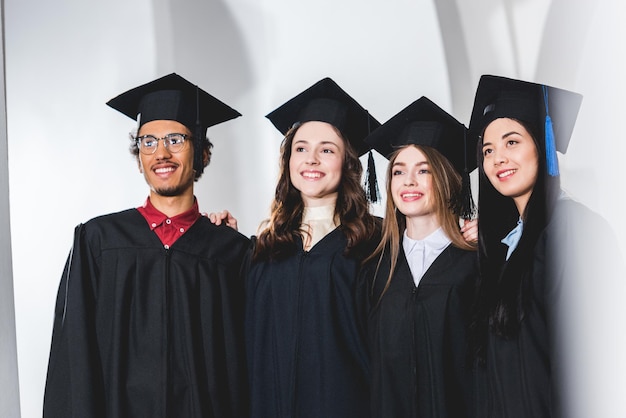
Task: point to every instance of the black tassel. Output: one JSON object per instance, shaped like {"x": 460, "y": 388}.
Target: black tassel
{"x": 198, "y": 163}
{"x": 467, "y": 208}
{"x": 371, "y": 182}
{"x": 464, "y": 204}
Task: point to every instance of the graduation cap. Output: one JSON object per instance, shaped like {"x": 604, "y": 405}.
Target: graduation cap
{"x": 548, "y": 110}
{"x": 326, "y": 102}
{"x": 173, "y": 98}
{"x": 426, "y": 124}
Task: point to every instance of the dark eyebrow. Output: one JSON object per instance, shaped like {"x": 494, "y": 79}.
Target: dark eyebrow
{"x": 508, "y": 134}
{"x": 404, "y": 164}
{"x": 305, "y": 141}
{"x": 505, "y": 136}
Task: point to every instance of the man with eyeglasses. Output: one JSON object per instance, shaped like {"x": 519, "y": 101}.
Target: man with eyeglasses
{"x": 149, "y": 313}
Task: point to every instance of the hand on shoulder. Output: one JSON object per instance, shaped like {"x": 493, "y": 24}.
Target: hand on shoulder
{"x": 224, "y": 216}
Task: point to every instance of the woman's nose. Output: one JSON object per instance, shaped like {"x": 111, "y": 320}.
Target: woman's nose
{"x": 311, "y": 158}
{"x": 499, "y": 157}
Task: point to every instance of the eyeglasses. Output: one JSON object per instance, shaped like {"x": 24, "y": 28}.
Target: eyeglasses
{"x": 148, "y": 144}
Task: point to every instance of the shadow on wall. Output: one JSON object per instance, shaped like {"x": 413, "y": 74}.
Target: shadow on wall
{"x": 203, "y": 42}
{"x": 559, "y": 61}
{"x": 468, "y": 51}
{"x": 202, "y": 37}
{"x": 457, "y": 58}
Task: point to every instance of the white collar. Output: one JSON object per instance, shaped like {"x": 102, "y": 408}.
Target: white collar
{"x": 437, "y": 240}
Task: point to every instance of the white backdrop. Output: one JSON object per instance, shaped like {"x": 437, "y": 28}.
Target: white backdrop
{"x": 68, "y": 158}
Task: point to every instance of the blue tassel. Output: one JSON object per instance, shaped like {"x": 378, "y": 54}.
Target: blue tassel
{"x": 552, "y": 161}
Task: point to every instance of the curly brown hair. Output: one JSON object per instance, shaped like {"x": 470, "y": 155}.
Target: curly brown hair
{"x": 283, "y": 229}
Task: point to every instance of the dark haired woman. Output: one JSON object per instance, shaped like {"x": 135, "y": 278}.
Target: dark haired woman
{"x": 536, "y": 247}
{"x": 305, "y": 324}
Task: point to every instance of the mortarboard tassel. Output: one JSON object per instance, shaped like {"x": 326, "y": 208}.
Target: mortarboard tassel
{"x": 371, "y": 182}
{"x": 552, "y": 162}
{"x": 198, "y": 163}
{"x": 466, "y": 208}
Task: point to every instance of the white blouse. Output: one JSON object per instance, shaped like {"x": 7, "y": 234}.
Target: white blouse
{"x": 420, "y": 253}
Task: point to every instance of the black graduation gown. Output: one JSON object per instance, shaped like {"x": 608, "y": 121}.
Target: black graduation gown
{"x": 417, "y": 338}
{"x": 305, "y": 340}
{"x": 527, "y": 374}
{"x": 141, "y": 331}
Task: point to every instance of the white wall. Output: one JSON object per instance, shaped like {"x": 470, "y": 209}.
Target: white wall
{"x": 68, "y": 157}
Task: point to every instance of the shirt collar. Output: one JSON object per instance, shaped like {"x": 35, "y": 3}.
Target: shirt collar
{"x": 156, "y": 218}
{"x": 513, "y": 237}
{"x": 437, "y": 240}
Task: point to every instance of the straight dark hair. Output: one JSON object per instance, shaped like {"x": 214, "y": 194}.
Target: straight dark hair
{"x": 503, "y": 286}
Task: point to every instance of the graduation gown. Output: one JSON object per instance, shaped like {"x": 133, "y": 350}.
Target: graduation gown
{"x": 539, "y": 372}
{"x": 144, "y": 331}
{"x": 417, "y": 338}
{"x": 305, "y": 340}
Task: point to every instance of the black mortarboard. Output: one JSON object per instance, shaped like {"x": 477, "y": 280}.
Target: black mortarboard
{"x": 548, "y": 110}
{"x": 424, "y": 123}
{"x": 326, "y": 102}
{"x": 173, "y": 98}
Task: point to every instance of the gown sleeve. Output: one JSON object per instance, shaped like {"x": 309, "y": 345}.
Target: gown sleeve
{"x": 74, "y": 388}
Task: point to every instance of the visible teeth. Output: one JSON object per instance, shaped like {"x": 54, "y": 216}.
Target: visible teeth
{"x": 411, "y": 195}
{"x": 163, "y": 170}
{"x": 506, "y": 173}
{"x": 312, "y": 175}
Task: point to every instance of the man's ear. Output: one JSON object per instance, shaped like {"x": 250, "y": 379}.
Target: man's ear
{"x": 205, "y": 158}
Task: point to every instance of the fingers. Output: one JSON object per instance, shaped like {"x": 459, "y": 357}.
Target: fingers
{"x": 218, "y": 217}
{"x": 471, "y": 237}
{"x": 232, "y": 222}
{"x": 213, "y": 217}
{"x": 470, "y": 230}
{"x": 224, "y": 216}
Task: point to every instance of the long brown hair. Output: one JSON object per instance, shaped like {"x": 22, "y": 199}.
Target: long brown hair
{"x": 282, "y": 231}
{"x": 446, "y": 188}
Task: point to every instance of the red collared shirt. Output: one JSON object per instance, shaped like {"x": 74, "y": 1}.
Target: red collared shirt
{"x": 169, "y": 229}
